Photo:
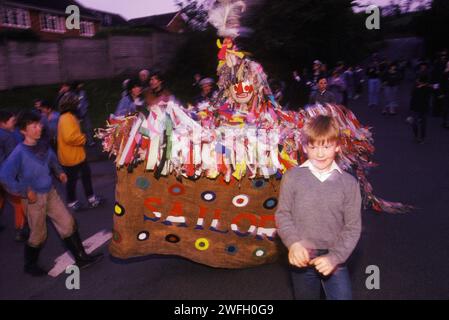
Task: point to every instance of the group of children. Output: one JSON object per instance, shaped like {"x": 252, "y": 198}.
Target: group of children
{"x": 28, "y": 164}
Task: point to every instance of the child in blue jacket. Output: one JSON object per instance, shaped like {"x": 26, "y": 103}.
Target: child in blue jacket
{"x": 27, "y": 172}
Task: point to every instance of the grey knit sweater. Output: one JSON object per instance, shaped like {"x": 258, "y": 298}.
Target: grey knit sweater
{"x": 320, "y": 215}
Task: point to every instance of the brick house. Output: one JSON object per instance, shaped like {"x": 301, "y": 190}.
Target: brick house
{"x": 108, "y": 19}
{"x": 173, "y": 22}
{"x": 46, "y": 18}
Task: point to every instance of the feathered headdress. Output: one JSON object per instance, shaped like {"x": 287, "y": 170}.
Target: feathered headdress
{"x": 225, "y": 16}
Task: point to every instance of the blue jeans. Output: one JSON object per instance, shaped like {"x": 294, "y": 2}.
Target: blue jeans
{"x": 391, "y": 97}
{"x": 307, "y": 284}
{"x": 373, "y": 92}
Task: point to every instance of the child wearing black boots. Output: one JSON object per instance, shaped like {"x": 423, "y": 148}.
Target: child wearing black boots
{"x": 27, "y": 172}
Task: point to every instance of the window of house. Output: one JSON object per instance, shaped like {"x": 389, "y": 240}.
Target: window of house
{"x": 15, "y": 17}
{"x": 52, "y": 23}
{"x": 87, "y": 29}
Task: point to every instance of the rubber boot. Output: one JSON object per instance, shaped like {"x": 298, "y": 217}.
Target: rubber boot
{"x": 31, "y": 258}
{"x": 75, "y": 246}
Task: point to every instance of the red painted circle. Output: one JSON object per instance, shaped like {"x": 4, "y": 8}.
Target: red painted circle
{"x": 176, "y": 189}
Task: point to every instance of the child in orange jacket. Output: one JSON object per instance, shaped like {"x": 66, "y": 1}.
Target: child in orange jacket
{"x": 71, "y": 152}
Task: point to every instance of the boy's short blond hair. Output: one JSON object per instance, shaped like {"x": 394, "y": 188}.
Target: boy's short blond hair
{"x": 321, "y": 130}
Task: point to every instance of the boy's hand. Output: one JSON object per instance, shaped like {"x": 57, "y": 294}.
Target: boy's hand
{"x": 298, "y": 255}
{"x": 32, "y": 196}
{"x": 63, "y": 178}
{"x": 323, "y": 265}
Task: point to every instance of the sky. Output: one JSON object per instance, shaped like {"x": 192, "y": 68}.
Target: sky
{"x": 130, "y": 9}
{"x": 385, "y": 2}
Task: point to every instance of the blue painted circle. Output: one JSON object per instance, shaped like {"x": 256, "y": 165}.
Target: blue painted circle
{"x": 270, "y": 203}
{"x": 142, "y": 183}
{"x": 259, "y": 183}
{"x": 231, "y": 249}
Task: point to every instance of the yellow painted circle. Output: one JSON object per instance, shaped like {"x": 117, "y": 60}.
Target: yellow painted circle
{"x": 202, "y": 244}
{"x": 118, "y": 210}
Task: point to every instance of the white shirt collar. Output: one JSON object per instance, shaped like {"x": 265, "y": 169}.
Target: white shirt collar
{"x": 322, "y": 176}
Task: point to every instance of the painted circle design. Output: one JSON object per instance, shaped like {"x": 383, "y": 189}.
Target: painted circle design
{"x": 259, "y": 183}
{"x": 142, "y": 183}
{"x": 202, "y": 244}
{"x": 231, "y": 249}
{"x": 270, "y": 203}
{"x": 240, "y": 201}
{"x": 259, "y": 253}
{"x": 208, "y": 196}
{"x": 142, "y": 236}
{"x": 116, "y": 236}
{"x": 119, "y": 210}
{"x": 176, "y": 189}
{"x": 172, "y": 238}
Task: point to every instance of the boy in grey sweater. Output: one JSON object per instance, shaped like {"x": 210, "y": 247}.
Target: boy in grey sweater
{"x": 319, "y": 216}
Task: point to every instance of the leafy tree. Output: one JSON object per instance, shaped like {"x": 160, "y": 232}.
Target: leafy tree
{"x": 197, "y": 55}
{"x": 433, "y": 27}
{"x": 290, "y": 34}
